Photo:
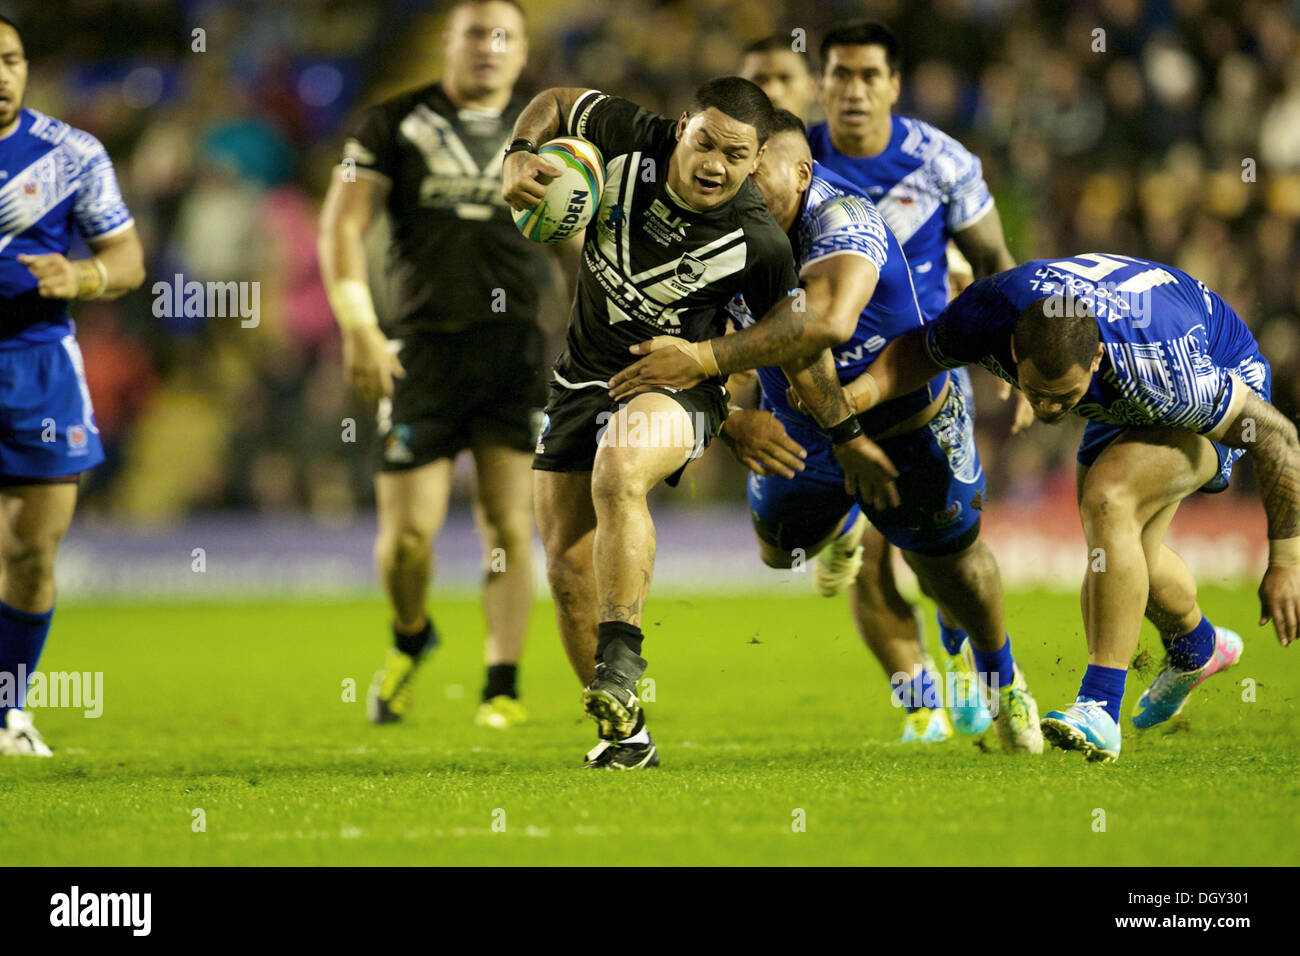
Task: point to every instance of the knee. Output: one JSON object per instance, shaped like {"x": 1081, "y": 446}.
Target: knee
{"x": 974, "y": 568}
{"x": 615, "y": 479}
{"x": 778, "y": 558}
{"x": 403, "y": 546}
{"x": 29, "y": 563}
{"x": 1106, "y": 503}
{"x": 510, "y": 529}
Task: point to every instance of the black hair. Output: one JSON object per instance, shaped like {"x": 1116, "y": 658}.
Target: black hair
{"x": 776, "y": 43}
{"x": 863, "y": 33}
{"x": 783, "y": 121}
{"x": 1057, "y": 333}
{"x": 738, "y": 98}
{"x": 476, "y": 3}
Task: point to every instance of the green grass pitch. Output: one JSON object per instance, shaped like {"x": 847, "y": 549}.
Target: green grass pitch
{"x": 768, "y": 712}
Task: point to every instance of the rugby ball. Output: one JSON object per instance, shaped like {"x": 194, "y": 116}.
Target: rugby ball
{"x": 571, "y": 197}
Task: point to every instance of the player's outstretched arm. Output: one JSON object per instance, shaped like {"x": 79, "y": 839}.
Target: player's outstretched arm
{"x": 524, "y": 174}
{"x": 116, "y": 266}
{"x": 820, "y": 316}
{"x": 903, "y": 366}
{"x": 1274, "y": 449}
{"x": 797, "y": 329}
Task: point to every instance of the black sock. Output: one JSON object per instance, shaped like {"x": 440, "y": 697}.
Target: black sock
{"x": 417, "y": 643}
{"x": 608, "y": 631}
{"x": 501, "y": 680}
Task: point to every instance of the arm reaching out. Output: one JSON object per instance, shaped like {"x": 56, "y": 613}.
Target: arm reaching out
{"x": 903, "y": 366}
{"x": 797, "y": 329}
{"x": 1271, "y": 442}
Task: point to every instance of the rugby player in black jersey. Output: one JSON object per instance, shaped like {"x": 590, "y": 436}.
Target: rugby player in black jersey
{"x": 680, "y": 229}
{"x": 465, "y": 368}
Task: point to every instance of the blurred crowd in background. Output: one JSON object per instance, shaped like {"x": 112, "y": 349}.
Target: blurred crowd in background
{"x": 1168, "y": 129}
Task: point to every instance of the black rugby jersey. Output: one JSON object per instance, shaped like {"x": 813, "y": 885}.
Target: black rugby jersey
{"x": 649, "y": 265}
{"x": 457, "y": 259}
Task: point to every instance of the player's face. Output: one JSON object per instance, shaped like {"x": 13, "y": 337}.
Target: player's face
{"x": 783, "y": 75}
{"x": 1052, "y": 398}
{"x": 714, "y": 154}
{"x": 783, "y": 174}
{"x": 13, "y": 76}
{"x": 485, "y": 47}
{"x": 858, "y": 90}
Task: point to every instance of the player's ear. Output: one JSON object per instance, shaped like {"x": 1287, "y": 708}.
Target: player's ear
{"x": 1096, "y": 359}
{"x": 681, "y": 125}
{"x": 895, "y": 87}
{"x": 758, "y": 158}
{"x": 805, "y": 174}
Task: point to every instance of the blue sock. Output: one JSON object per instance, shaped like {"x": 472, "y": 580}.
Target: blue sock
{"x": 951, "y": 638}
{"x": 851, "y": 518}
{"x": 921, "y": 692}
{"x": 22, "y": 637}
{"x": 1104, "y": 683}
{"x": 1192, "y": 650}
{"x": 999, "y": 662}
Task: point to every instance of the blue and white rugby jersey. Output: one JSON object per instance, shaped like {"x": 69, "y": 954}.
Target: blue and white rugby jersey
{"x": 1174, "y": 350}
{"x": 926, "y": 185}
{"x": 837, "y": 219}
{"x": 53, "y": 178}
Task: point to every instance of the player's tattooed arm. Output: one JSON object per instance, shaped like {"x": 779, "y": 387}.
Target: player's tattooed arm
{"x": 781, "y": 336}
{"x": 818, "y": 389}
{"x": 1274, "y": 448}
{"x": 1271, "y": 441}
{"x": 525, "y": 175}
{"x": 868, "y": 473}
{"x": 821, "y": 315}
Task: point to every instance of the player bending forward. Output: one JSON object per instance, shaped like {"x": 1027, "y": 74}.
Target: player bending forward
{"x": 1175, "y": 390}
{"x": 858, "y": 287}
{"x": 680, "y": 230}
{"x": 55, "y": 182}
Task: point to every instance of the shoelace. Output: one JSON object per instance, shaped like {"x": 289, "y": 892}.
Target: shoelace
{"x": 1090, "y": 705}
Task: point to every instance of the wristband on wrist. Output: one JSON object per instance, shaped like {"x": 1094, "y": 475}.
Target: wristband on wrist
{"x": 845, "y": 431}
{"x": 352, "y": 305}
{"x": 92, "y": 278}
{"x": 520, "y": 145}
{"x": 1284, "y": 552}
{"x": 707, "y": 359}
